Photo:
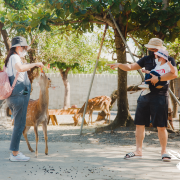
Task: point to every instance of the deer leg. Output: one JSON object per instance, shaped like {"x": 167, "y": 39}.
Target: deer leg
{"x": 91, "y": 116}
{"x": 48, "y": 120}
{"x": 105, "y": 116}
{"x": 25, "y": 137}
{"x": 36, "y": 135}
{"x": 108, "y": 117}
{"x": 44, "y": 125}
{"x": 85, "y": 123}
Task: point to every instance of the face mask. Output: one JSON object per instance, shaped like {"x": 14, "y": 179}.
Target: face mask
{"x": 23, "y": 53}
{"x": 158, "y": 63}
{"x": 151, "y": 53}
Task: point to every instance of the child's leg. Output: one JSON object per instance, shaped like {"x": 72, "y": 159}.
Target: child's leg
{"x": 159, "y": 84}
{"x": 147, "y": 76}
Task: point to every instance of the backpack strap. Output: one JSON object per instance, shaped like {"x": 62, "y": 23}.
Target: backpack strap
{"x": 17, "y": 74}
{"x": 15, "y": 80}
{"x": 4, "y": 68}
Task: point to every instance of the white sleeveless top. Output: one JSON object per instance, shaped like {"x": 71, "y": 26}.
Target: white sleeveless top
{"x": 11, "y": 70}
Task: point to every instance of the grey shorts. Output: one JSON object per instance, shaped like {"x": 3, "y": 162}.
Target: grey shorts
{"x": 152, "y": 108}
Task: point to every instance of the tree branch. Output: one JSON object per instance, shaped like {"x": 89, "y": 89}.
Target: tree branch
{"x": 67, "y": 70}
{"x": 107, "y": 21}
{"x": 5, "y": 37}
{"x": 135, "y": 55}
{"x": 73, "y": 22}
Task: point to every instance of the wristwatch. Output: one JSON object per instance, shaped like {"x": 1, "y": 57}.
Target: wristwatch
{"x": 159, "y": 78}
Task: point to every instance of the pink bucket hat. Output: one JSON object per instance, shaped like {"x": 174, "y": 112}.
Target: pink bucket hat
{"x": 162, "y": 53}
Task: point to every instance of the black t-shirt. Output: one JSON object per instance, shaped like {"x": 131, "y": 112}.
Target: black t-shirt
{"x": 149, "y": 63}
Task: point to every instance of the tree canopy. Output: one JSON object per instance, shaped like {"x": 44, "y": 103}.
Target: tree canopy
{"x": 136, "y": 15}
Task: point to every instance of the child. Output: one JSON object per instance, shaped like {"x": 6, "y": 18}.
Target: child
{"x": 163, "y": 66}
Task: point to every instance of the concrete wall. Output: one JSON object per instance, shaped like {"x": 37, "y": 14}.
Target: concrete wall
{"x": 79, "y": 84}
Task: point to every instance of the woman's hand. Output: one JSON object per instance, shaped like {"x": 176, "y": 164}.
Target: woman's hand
{"x": 40, "y": 65}
{"x": 113, "y": 66}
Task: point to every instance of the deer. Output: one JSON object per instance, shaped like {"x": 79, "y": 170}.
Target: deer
{"x": 37, "y": 113}
{"x": 98, "y": 103}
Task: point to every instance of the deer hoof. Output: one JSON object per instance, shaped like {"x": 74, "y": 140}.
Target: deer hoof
{"x": 31, "y": 150}
{"x": 46, "y": 153}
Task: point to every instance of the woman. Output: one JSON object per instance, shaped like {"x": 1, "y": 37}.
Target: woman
{"x": 18, "y": 101}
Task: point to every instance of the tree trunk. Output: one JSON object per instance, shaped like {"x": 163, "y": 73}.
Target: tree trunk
{"x": 123, "y": 117}
{"x": 4, "y": 33}
{"x": 174, "y": 103}
{"x": 64, "y": 75}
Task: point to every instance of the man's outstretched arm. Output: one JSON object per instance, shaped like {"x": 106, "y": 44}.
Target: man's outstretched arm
{"x": 125, "y": 67}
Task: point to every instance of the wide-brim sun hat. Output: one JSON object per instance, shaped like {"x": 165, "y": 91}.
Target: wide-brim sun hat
{"x": 162, "y": 53}
{"x": 155, "y": 43}
{"x": 19, "y": 41}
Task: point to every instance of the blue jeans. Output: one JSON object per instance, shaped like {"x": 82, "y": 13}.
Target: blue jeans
{"x": 18, "y": 103}
{"x": 18, "y": 107}
{"x": 148, "y": 76}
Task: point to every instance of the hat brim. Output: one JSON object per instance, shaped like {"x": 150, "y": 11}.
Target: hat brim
{"x": 154, "y": 47}
{"x": 28, "y": 47}
{"x": 160, "y": 55}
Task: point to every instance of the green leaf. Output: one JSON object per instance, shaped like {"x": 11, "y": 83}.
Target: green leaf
{"x": 58, "y": 12}
{"x": 134, "y": 4}
{"x": 99, "y": 8}
{"x": 41, "y": 27}
{"x": 51, "y": 2}
{"x": 71, "y": 9}
{"x": 21, "y": 30}
{"x": 157, "y": 27}
{"x": 157, "y": 1}
{"x": 43, "y": 21}
{"x": 115, "y": 9}
{"x": 2, "y": 19}
{"x": 34, "y": 23}
{"x": 47, "y": 28}
{"x": 83, "y": 12}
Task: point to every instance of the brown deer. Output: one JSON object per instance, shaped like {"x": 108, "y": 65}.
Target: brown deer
{"x": 37, "y": 113}
{"x": 98, "y": 103}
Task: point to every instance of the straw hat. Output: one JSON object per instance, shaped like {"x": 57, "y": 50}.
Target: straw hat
{"x": 155, "y": 43}
{"x": 19, "y": 41}
{"x": 162, "y": 53}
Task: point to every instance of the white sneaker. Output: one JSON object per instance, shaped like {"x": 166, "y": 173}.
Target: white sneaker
{"x": 19, "y": 157}
{"x": 145, "y": 91}
{"x": 144, "y": 86}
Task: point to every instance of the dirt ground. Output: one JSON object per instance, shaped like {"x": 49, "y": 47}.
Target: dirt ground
{"x": 67, "y": 132}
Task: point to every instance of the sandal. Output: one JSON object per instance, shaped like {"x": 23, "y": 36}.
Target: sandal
{"x": 166, "y": 156}
{"x": 131, "y": 155}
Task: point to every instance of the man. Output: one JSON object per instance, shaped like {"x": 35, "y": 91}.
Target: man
{"x": 154, "y": 104}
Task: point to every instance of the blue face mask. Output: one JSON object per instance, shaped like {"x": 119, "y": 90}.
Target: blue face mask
{"x": 158, "y": 63}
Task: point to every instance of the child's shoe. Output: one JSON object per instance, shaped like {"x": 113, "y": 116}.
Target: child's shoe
{"x": 145, "y": 91}
{"x": 144, "y": 86}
